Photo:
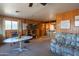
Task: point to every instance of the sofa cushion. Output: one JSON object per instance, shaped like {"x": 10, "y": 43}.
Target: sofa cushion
{"x": 69, "y": 44}
{"x": 76, "y": 52}
{"x": 53, "y": 41}
{"x": 53, "y": 47}
{"x": 77, "y": 41}
{"x": 59, "y": 38}
{"x": 73, "y": 42}
{"x": 77, "y": 45}
{"x": 58, "y": 35}
{"x": 68, "y": 51}
{"x": 58, "y": 50}
{"x": 68, "y": 39}
{"x": 77, "y": 38}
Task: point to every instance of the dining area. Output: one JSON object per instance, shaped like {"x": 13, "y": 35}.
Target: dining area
{"x": 12, "y": 42}
{"x": 34, "y": 48}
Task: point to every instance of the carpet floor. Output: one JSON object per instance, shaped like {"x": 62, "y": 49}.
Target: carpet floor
{"x": 36, "y": 47}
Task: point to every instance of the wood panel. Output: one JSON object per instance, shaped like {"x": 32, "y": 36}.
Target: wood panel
{"x": 69, "y": 15}
{"x": 1, "y": 40}
{"x": 8, "y": 33}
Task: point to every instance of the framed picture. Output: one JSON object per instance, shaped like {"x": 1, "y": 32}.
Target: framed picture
{"x": 65, "y": 24}
{"x": 76, "y": 20}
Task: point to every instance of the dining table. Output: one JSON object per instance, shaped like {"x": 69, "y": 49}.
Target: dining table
{"x": 19, "y": 40}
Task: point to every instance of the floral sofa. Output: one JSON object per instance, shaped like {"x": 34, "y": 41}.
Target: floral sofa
{"x": 65, "y": 44}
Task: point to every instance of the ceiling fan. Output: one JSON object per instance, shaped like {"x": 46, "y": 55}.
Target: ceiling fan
{"x": 31, "y": 4}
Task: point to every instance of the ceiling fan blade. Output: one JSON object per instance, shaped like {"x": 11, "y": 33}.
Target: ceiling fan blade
{"x": 30, "y": 4}
{"x": 43, "y": 4}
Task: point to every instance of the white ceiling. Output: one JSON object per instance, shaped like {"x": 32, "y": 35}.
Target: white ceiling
{"x": 38, "y": 11}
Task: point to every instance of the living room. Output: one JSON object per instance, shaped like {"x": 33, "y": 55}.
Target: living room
{"x": 39, "y": 29}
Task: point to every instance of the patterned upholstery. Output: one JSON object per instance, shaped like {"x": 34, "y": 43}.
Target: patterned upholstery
{"x": 67, "y": 39}
{"x": 65, "y": 44}
{"x": 59, "y": 38}
{"x": 73, "y": 42}
{"x": 77, "y": 43}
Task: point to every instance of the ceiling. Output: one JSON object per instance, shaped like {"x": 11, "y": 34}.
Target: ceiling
{"x": 37, "y": 11}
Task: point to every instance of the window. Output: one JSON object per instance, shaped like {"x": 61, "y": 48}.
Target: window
{"x": 11, "y": 25}
{"x": 14, "y": 25}
{"x": 76, "y": 20}
{"x": 7, "y": 25}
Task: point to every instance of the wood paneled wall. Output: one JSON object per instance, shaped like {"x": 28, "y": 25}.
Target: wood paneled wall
{"x": 41, "y": 30}
{"x": 69, "y": 15}
{"x": 26, "y": 21}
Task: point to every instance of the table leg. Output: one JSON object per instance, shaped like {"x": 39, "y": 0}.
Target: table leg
{"x": 20, "y": 49}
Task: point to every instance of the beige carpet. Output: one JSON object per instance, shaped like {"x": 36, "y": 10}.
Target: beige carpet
{"x": 36, "y": 47}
